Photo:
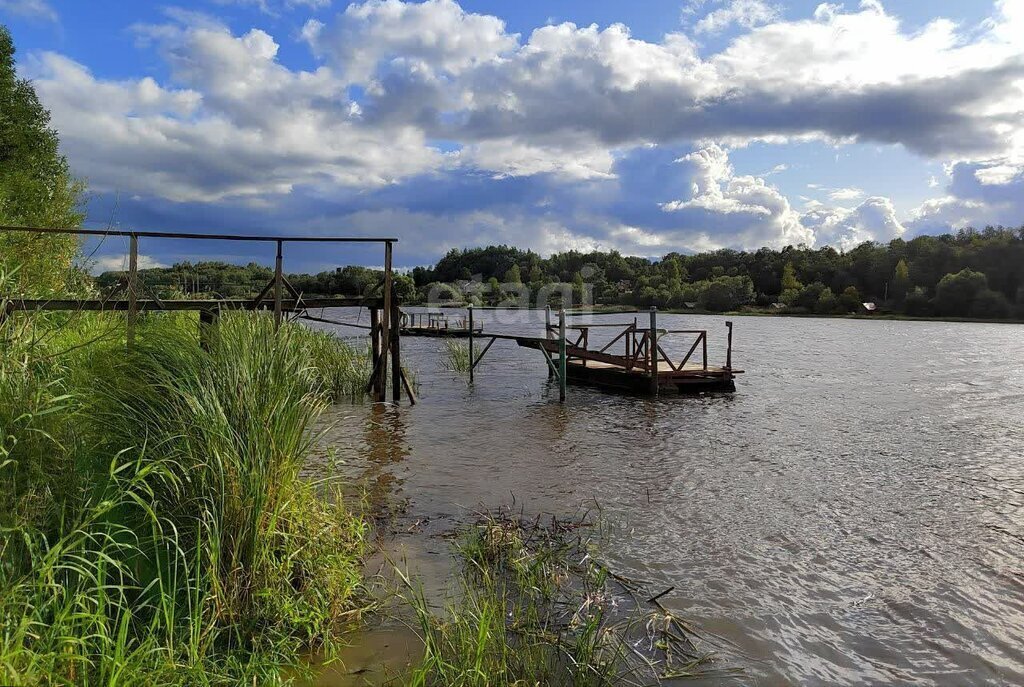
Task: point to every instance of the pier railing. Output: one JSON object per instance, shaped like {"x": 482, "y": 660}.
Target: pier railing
{"x": 132, "y": 296}
{"x": 641, "y": 347}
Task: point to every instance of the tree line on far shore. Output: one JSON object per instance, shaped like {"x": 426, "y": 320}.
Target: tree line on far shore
{"x": 976, "y": 274}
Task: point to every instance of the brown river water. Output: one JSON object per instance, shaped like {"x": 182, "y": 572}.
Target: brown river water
{"x": 853, "y": 514}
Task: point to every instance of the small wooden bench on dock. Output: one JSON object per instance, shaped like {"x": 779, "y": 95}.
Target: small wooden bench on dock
{"x": 436, "y": 324}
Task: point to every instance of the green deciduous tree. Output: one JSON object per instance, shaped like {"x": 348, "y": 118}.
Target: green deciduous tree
{"x": 955, "y": 293}
{"x": 900, "y": 281}
{"x": 514, "y": 275}
{"x": 36, "y": 186}
{"x": 827, "y": 302}
{"x": 850, "y": 300}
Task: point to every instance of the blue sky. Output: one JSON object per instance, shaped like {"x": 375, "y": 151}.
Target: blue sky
{"x": 643, "y": 127}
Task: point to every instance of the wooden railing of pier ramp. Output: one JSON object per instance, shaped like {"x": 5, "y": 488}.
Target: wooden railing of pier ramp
{"x": 133, "y": 297}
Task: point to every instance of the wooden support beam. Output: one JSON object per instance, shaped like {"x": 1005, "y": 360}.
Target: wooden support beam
{"x": 704, "y": 340}
{"x": 150, "y": 305}
{"x": 263, "y": 294}
{"x": 652, "y": 351}
{"x": 621, "y": 334}
{"x": 472, "y": 355}
{"x": 728, "y": 351}
{"x": 385, "y": 320}
{"x": 408, "y": 389}
{"x": 552, "y": 348}
{"x": 374, "y": 384}
{"x": 474, "y": 363}
{"x": 561, "y": 356}
{"x": 689, "y": 353}
{"x": 291, "y": 289}
{"x": 547, "y": 335}
{"x": 278, "y": 283}
{"x": 133, "y": 288}
{"x": 669, "y": 360}
{"x": 396, "y": 356}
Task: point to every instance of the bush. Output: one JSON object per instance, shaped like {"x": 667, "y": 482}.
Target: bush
{"x": 827, "y": 303}
{"x": 808, "y": 296}
{"x": 725, "y": 293}
{"x": 917, "y": 304}
{"x": 956, "y": 292}
{"x": 991, "y": 305}
{"x": 850, "y": 299}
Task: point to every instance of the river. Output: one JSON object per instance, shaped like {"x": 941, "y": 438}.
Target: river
{"x": 853, "y": 514}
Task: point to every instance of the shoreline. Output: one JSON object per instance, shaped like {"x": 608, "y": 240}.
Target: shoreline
{"x": 626, "y": 309}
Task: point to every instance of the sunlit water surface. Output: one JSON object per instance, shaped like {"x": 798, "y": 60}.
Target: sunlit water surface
{"x": 853, "y": 514}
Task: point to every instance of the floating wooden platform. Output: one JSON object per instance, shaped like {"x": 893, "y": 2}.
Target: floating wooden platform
{"x": 442, "y": 333}
{"x": 690, "y": 379}
{"x": 631, "y": 372}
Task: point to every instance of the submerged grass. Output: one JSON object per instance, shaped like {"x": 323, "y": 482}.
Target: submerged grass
{"x": 536, "y": 608}
{"x": 154, "y": 528}
{"x": 455, "y": 356}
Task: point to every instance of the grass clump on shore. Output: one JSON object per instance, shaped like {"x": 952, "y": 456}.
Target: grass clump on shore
{"x": 154, "y": 528}
{"x": 536, "y": 608}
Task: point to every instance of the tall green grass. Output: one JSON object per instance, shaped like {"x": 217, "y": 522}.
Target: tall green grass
{"x": 455, "y": 356}
{"x": 342, "y": 369}
{"x": 154, "y": 528}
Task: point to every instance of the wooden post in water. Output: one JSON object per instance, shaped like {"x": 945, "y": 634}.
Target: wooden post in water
{"x": 396, "y": 355}
{"x": 561, "y": 355}
{"x": 547, "y": 335}
{"x": 652, "y": 355}
{"x": 278, "y": 283}
{"x": 133, "y": 283}
{"x": 376, "y": 384}
{"x": 471, "y": 361}
{"x": 728, "y": 351}
{"x": 704, "y": 341}
{"x": 385, "y": 323}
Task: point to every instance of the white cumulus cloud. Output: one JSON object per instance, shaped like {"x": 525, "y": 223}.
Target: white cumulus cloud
{"x": 32, "y": 9}
{"x": 744, "y": 13}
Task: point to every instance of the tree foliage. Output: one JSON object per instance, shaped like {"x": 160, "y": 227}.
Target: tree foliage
{"x": 969, "y": 274}
{"x": 36, "y": 186}
{"x": 901, "y": 276}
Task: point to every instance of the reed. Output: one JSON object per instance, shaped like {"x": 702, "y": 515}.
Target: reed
{"x": 184, "y": 548}
{"x": 455, "y": 356}
{"x": 535, "y": 607}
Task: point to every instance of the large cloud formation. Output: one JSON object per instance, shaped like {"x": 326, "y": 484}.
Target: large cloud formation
{"x": 553, "y": 133}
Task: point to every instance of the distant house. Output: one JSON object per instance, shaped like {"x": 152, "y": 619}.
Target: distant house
{"x": 690, "y": 305}
{"x": 869, "y": 307}
{"x": 778, "y": 306}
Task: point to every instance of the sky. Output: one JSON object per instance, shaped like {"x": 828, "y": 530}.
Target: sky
{"x": 643, "y": 127}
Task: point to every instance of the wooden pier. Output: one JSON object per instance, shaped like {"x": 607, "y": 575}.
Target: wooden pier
{"x": 132, "y": 297}
{"x": 634, "y": 360}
